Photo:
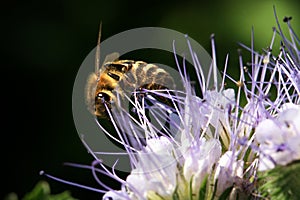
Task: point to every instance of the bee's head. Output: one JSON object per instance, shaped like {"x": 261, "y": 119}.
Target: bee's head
{"x": 102, "y": 102}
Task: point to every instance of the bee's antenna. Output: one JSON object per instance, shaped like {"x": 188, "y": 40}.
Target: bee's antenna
{"x": 97, "y": 57}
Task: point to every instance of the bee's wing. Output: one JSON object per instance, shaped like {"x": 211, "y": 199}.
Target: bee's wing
{"x": 90, "y": 89}
{"x": 111, "y": 57}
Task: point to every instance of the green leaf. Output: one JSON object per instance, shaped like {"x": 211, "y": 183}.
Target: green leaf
{"x": 202, "y": 191}
{"x": 281, "y": 183}
{"x": 190, "y": 188}
{"x": 175, "y": 195}
{"x": 42, "y": 192}
{"x": 226, "y": 193}
{"x": 152, "y": 195}
{"x": 11, "y": 196}
{"x": 62, "y": 196}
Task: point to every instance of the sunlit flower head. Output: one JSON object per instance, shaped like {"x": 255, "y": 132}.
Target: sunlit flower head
{"x": 279, "y": 138}
{"x": 212, "y": 143}
{"x": 215, "y": 145}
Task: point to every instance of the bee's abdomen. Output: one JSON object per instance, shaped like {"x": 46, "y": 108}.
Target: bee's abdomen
{"x": 145, "y": 73}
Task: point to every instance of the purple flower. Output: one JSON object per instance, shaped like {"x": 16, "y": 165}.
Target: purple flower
{"x": 223, "y": 139}
{"x": 214, "y": 145}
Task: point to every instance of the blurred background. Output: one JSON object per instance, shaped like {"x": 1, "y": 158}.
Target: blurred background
{"x": 43, "y": 45}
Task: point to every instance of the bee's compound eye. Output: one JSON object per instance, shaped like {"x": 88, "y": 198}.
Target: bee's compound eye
{"x": 103, "y": 97}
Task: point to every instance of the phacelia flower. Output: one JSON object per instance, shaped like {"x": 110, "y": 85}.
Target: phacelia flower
{"x": 212, "y": 146}
{"x": 216, "y": 145}
{"x": 279, "y": 138}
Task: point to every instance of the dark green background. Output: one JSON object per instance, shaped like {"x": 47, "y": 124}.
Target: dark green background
{"x": 43, "y": 45}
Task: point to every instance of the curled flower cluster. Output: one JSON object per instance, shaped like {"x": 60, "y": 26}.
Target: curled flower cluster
{"x": 216, "y": 145}
{"x": 279, "y": 138}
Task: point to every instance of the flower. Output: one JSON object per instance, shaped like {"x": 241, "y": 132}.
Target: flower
{"x": 214, "y": 146}
{"x": 156, "y": 169}
{"x": 229, "y": 168}
{"x": 279, "y": 138}
{"x": 199, "y": 161}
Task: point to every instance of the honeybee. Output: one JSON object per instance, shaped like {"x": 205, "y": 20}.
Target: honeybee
{"x": 116, "y": 76}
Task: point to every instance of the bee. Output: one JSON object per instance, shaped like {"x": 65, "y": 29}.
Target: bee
{"x": 120, "y": 76}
